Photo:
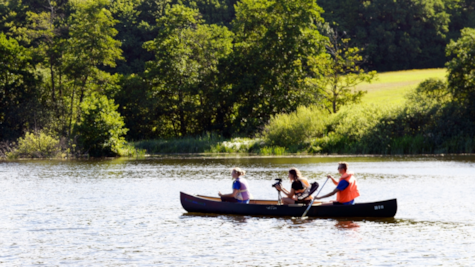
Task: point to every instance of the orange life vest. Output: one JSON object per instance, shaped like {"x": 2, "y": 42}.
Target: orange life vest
{"x": 350, "y": 193}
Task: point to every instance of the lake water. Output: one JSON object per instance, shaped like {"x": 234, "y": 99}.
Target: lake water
{"x": 128, "y": 213}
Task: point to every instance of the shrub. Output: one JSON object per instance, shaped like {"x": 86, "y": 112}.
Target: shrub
{"x": 296, "y": 128}
{"x": 354, "y": 121}
{"x": 206, "y": 143}
{"x": 100, "y": 128}
{"x": 39, "y": 145}
{"x": 129, "y": 150}
{"x": 430, "y": 90}
{"x": 276, "y": 150}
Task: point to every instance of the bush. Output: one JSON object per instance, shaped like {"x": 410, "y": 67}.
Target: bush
{"x": 206, "y": 143}
{"x": 39, "y": 145}
{"x": 296, "y": 128}
{"x": 100, "y": 128}
{"x": 276, "y": 150}
{"x": 128, "y": 150}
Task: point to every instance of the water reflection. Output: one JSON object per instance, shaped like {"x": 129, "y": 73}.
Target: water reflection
{"x": 128, "y": 212}
{"x": 346, "y": 225}
{"x": 230, "y": 218}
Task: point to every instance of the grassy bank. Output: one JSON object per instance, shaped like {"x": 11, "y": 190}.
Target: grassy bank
{"x": 366, "y": 128}
{"x": 209, "y": 144}
{"x": 391, "y": 87}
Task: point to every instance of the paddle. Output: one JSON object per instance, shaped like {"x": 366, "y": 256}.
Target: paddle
{"x": 311, "y": 203}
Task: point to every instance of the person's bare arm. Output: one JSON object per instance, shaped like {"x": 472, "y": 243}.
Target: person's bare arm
{"x": 329, "y": 194}
{"x": 285, "y": 191}
{"x": 291, "y": 193}
{"x": 233, "y": 194}
{"x": 335, "y": 182}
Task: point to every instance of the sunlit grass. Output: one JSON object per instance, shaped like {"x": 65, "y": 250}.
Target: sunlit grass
{"x": 391, "y": 87}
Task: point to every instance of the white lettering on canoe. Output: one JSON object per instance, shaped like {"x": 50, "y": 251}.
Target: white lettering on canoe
{"x": 271, "y": 208}
{"x": 379, "y": 207}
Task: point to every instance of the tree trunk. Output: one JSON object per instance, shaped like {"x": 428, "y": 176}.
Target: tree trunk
{"x": 52, "y": 81}
{"x": 181, "y": 114}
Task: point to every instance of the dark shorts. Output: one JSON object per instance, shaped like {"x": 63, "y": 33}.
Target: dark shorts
{"x": 303, "y": 202}
{"x": 233, "y": 200}
{"x": 346, "y": 203}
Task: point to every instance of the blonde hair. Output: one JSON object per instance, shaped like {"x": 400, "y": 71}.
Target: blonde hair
{"x": 238, "y": 171}
{"x": 296, "y": 173}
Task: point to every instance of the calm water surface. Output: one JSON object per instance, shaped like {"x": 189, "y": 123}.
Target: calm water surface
{"x": 128, "y": 213}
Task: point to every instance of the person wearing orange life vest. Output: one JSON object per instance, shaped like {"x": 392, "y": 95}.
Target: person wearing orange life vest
{"x": 299, "y": 187}
{"x": 347, "y": 188}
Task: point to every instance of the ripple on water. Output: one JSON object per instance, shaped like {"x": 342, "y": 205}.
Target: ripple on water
{"x": 127, "y": 212}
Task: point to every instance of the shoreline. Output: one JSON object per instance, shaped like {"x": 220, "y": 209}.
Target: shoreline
{"x": 252, "y": 155}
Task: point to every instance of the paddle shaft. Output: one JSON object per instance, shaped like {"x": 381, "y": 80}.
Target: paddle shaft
{"x": 311, "y": 203}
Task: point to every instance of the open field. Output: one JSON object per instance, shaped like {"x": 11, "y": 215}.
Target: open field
{"x": 391, "y": 87}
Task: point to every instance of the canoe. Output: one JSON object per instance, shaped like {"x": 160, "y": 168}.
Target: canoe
{"x": 206, "y": 204}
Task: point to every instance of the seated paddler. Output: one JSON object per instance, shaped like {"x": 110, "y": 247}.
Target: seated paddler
{"x": 240, "y": 192}
{"x": 300, "y": 187}
{"x": 346, "y": 187}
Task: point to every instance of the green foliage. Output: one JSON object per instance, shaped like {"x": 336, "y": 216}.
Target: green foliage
{"x": 274, "y": 39}
{"x": 295, "y": 128}
{"x": 139, "y": 107}
{"x": 462, "y": 15}
{"x": 128, "y": 150}
{"x": 220, "y": 12}
{"x": 187, "y": 53}
{"x": 207, "y": 143}
{"x": 19, "y": 97}
{"x": 338, "y": 73}
{"x": 461, "y": 68}
{"x": 430, "y": 89}
{"x": 61, "y": 64}
{"x": 275, "y": 150}
{"x": 349, "y": 130}
{"x": 136, "y": 20}
{"x": 36, "y": 145}
{"x": 396, "y": 35}
{"x": 100, "y": 128}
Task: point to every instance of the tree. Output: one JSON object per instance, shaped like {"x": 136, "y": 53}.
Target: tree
{"x": 19, "y": 96}
{"x": 186, "y": 56}
{"x": 395, "y": 35}
{"x": 462, "y": 15}
{"x": 220, "y": 12}
{"x": 100, "y": 127}
{"x": 274, "y": 39}
{"x": 134, "y": 20}
{"x": 90, "y": 45}
{"x": 461, "y": 67}
{"x": 45, "y": 31}
{"x": 338, "y": 72}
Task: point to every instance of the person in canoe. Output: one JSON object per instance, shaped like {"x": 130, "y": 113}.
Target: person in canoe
{"x": 299, "y": 187}
{"x": 346, "y": 187}
{"x": 240, "y": 192}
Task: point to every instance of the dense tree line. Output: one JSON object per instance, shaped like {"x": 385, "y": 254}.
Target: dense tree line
{"x": 89, "y": 71}
{"x": 401, "y": 34}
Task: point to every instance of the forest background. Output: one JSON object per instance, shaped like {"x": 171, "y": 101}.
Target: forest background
{"x": 121, "y": 77}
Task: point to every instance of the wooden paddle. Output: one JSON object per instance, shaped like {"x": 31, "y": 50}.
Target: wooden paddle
{"x": 311, "y": 203}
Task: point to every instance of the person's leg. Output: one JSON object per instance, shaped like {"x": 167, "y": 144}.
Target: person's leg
{"x": 229, "y": 199}
{"x": 331, "y": 203}
{"x": 287, "y": 201}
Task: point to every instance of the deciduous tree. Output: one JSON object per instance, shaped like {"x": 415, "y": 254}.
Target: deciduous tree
{"x": 337, "y": 73}
{"x": 274, "y": 39}
{"x": 187, "y": 53}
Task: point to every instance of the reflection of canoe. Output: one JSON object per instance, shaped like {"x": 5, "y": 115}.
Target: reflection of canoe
{"x": 192, "y": 203}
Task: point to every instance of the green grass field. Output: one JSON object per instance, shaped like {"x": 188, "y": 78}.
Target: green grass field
{"x": 391, "y": 87}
